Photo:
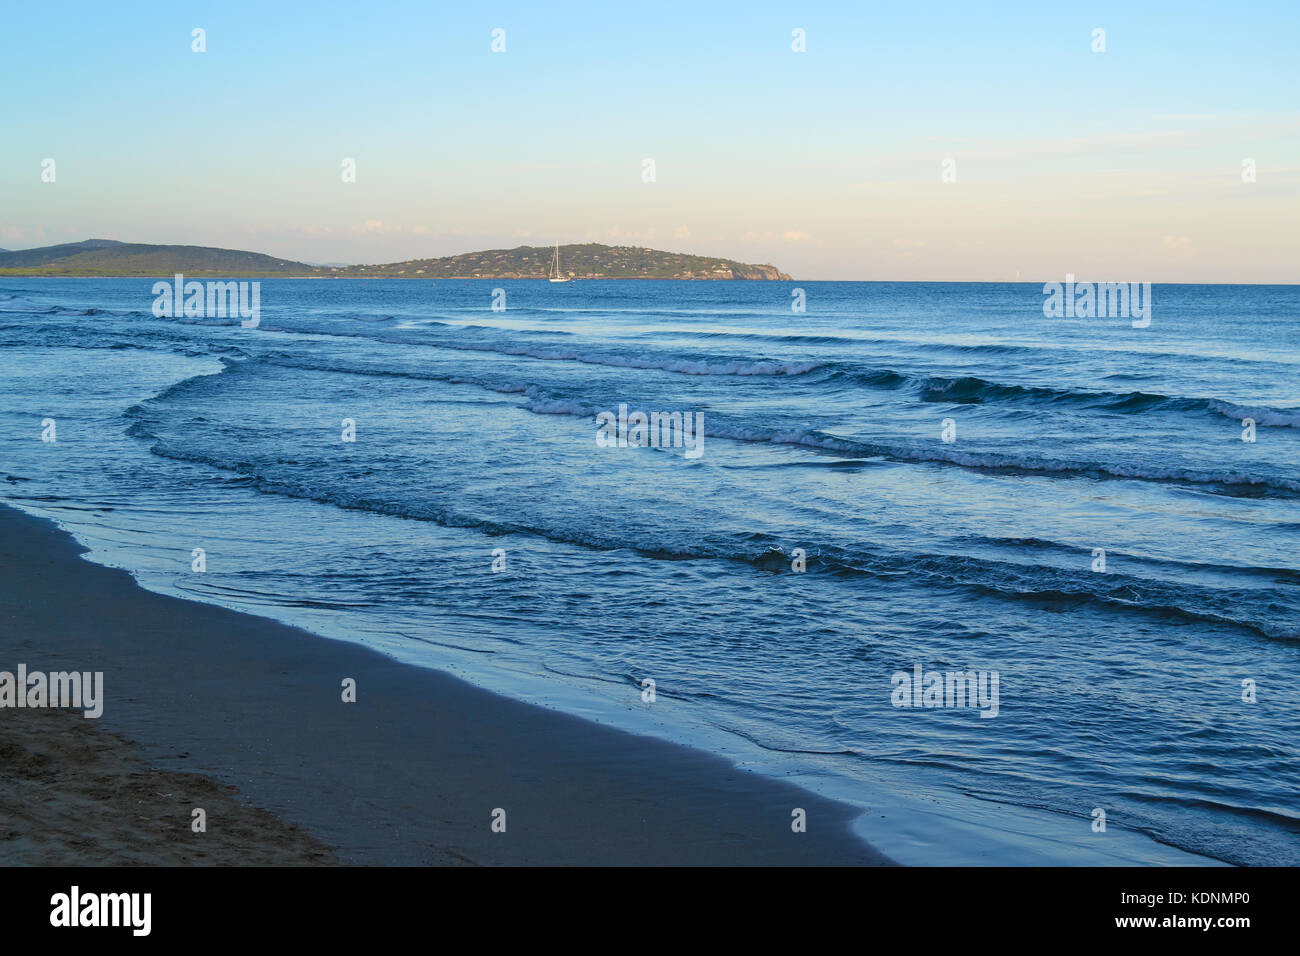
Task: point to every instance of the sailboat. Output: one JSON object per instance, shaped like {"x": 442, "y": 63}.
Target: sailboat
{"x": 554, "y": 273}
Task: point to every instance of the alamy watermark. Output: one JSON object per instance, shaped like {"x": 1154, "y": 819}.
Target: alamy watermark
{"x": 923, "y": 688}
{"x": 211, "y": 300}
{"x": 1099, "y": 300}
{"x": 36, "y": 689}
{"x": 683, "y": 430}
{"x": 75, "y": 908}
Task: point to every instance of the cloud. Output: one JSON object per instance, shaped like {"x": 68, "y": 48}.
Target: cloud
{"x": 791, "y": 236}
{"x": 1177, "y": 243}
{"x": 681, "y": 232}
{"x": 909, "y": 243}
{"x": 375, "y": 227}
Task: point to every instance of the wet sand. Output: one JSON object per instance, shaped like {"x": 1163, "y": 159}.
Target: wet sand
{"x": 243, "y": 716}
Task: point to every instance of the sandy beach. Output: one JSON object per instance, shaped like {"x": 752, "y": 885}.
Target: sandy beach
{"x": 243, "y": 716}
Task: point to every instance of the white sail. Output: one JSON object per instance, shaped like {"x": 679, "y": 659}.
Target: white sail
{"x": 554, "y": 273}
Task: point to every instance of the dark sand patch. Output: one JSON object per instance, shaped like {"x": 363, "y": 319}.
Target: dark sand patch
{"x": 74, "y": 795}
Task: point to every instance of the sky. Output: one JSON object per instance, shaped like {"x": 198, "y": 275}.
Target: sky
{"x": 1117, "y": 165}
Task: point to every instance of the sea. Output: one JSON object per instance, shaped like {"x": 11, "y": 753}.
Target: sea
{"x": 888, "y": 483}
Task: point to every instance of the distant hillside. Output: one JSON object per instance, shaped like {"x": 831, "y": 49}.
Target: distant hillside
{"x": 587, "y": 261}
{"x": 105, "y": 257}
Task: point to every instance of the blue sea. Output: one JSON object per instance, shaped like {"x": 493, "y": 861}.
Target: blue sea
{"x": 905, "y": 475}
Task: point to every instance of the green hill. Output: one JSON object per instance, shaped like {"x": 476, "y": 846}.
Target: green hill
{"x": 106, "y": 257}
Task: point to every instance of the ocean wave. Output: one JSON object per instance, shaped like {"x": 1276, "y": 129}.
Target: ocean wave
{"x": 1060, "y": 588}
{"x": 1286, "y": 576}
{"x": 1234, "y": 484}
{"x": 24, "y": 305}
{"x": 1046, "y": 574}
{"x": 741, "y": 366}
{"x": 826, "y": 338}
{"x": 973, "y": 390}
{"x": 539, "y": 401}
{"x": 928, "y": 388}
{"x": 1261, "y": 414}
{"x": 679, "y": 365}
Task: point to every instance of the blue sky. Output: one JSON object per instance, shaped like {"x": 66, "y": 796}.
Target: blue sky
{"x": 1122, "y": 164}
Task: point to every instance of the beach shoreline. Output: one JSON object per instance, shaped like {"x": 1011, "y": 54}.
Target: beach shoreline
{"x": 411, "y": 773}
